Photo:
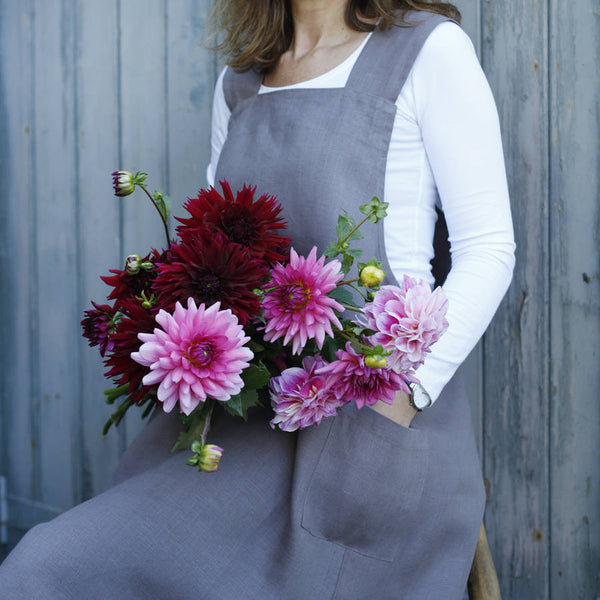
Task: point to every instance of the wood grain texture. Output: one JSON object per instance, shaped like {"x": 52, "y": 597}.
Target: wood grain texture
{"x": 98, "y": 220}
{"x": 57, "y": 351}
{"x": 575, "y": 300}
{"x": 18, "y": 299}
{"x": 516, "y": 346}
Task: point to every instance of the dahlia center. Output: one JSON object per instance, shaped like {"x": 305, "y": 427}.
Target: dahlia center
{"x": 200, "y": 354}
{"x": 208, "y": 288}
{"x": 239, "y": 228}
{"x": 295, "y": 297}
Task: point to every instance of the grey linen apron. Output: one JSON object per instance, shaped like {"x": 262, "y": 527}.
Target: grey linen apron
{"x": 357, "y": 508}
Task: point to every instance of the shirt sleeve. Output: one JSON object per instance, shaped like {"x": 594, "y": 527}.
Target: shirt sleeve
{"x": 460, "y": 128}
{"x": 218, "y": 129}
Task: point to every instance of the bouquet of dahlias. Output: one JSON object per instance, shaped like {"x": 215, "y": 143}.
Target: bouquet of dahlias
{"x": 229, "y": 309}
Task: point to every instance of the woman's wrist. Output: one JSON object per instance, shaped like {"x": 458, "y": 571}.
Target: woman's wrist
{"x": 400, "y": 411}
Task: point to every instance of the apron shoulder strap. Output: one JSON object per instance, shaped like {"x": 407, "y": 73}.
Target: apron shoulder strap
{"x": 388, "y": 57}
{"x": 238, "y": 86}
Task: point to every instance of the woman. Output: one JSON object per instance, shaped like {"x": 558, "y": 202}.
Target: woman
{"x": 330, "y": 105}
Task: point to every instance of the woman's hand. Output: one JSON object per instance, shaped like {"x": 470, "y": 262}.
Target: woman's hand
{"x": 399, "y": 411}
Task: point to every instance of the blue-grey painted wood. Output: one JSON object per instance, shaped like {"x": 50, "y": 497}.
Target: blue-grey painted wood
{"x": 18, "y": 298}
{"x": 574, "y": 220}
{"x": 516, "y": 346}
{"x": 56, "y": 353}
{"x": 98, "y": 218}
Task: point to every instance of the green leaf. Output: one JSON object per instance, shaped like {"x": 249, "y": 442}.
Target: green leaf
{"x": 372, "y": 263}
{"x": 239, "y": 405}
{"x": 355, "y": 252}
{"x": 332, "y": 250}
{"x": 255, "y": 376}
{"x": 344, "y": 226}
{"x": 114, "y": 393}
{"x": 194, "y": 432}
{"x": 376, "y": 209}
{"x": 329, "y": 348}
{"x": 347, "y": 263}
{"x": 343, "y": 295}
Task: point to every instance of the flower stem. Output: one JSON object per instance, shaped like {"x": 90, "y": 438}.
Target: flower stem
{"x": 354, "y": 341}
{"x": 353, "y": 308}
{"x": 206, "y": 428}
{"x": 359, "y": 291}
{"x": 161, "y": 216}
{"x": 348, "y": 281}
{"x": 355, "y": 228}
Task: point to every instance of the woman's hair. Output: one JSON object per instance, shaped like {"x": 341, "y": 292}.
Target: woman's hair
{"x": 258, "y": 32}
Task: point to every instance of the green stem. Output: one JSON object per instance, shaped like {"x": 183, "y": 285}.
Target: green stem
{"x": 353, "y": 308}
{"x": 207, "y": 421}
{"x": 359, "y": 291}
{"x": 341, "y": 242}
{"x": 347, "y": 281}
{"x": 160, "y": 214}
{"x": 355, "y": 341}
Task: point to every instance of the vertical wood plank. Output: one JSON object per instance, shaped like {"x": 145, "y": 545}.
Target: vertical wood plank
{"x": 191, "y": 80}
{"x": 17, "y": 182}
{"x": 575, "y": 300}
{"x": 472, "y": 368}
{"x": 514, "y": 49}
{"x": 99, "y": 219}
{"x": 57, "y": 354}
{"x": 143, "y": 131}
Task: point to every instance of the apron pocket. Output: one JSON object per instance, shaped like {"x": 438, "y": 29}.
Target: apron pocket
{"x": 367, "y": 481}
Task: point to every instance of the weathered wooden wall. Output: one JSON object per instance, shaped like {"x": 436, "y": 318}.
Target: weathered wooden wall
{"x": 87, "y": 87}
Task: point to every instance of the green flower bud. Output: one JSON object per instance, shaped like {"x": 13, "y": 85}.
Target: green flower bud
{"x": 375, "y": 361}
{"x": 371, "y": 276}
{"x": 123, "y": 183}
{"x": 133, "y": 264}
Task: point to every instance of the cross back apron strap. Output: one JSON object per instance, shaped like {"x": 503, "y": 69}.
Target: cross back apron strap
{"x": 325, "y": 147}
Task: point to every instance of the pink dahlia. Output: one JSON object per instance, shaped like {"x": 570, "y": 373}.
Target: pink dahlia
{"x": 408, "y": 319}
{"x": 199, "y": 352}
{"x": 350, "y": 379}
{"x": 300, "y": 397}
{"x": 296, "y": 306}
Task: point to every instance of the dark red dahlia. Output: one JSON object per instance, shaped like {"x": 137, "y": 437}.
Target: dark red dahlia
{"x": 121, "y": 366}
{"x": 99, "y": 325}
{"x": 252, "y": 223}
{"x": 211, "y": 269}
{"x": 126, "y": 286}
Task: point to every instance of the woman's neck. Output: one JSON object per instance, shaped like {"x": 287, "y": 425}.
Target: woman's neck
{"x": 318, "y": 24}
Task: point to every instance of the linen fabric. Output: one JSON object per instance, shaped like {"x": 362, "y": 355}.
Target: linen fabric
{"x": 445, "y": 108}
{"x": 356, "y": 508}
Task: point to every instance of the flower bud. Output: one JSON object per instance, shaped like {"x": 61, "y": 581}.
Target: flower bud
{"x": 375, "y": 361}
{"x": 133, "y": 264}
{"x": 371, "y": 276}
{"x": 123, "y": 183}
{"x": 209, "y": 457}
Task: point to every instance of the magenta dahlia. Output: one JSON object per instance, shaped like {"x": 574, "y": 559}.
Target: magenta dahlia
{"x": 300, "y": 397}
{"x": 251, "y": 223}
{"x": 296, "y": 305}
{"x": 348, "y": 378}
{"x": 407, "y": 319}
{"x": 198, "y": 352}
{"x": 209, "y": 270}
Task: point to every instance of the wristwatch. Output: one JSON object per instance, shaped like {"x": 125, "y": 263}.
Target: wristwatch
{"x": 418, "y": 398}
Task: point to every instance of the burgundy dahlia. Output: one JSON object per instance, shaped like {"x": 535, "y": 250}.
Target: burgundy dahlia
{"x": 252, "y": 223}
{"x": 99, "y": 325}
{"x": 125, "y": 340}
{"x": 127, "y": 286}
{"x": 209, "y": 270}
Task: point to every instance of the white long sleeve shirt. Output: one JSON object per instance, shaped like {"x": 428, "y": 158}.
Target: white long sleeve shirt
{"x": 445, "y": 148}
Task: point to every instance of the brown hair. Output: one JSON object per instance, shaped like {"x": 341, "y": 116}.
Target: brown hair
{"x": 258, "y": 32}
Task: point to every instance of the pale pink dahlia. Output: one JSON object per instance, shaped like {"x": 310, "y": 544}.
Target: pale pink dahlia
{"x": 296, "y": 306}
{"x": 300, "y": 397}
{"x": 348, "y": 378}
{"x": 408, "y": 319}
{"x": 199, "y": 352}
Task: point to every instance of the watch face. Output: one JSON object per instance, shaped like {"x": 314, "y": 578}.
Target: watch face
{"x": 421, "y": 398}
